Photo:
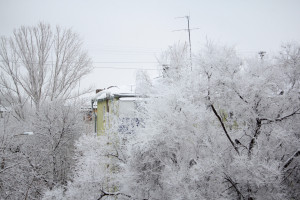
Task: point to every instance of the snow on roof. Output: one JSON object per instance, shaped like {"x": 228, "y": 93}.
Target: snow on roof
{"x": 118, "y": 91}
{"x": 131, "y": 99}
{"x": 27, "y": 133}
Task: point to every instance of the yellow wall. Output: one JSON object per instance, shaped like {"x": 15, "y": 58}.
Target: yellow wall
{"x": 102, "y": 121}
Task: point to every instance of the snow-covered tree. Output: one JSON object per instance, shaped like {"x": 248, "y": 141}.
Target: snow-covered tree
{"x": 38, "y": 64}
{"x": 99, "y": 167}
{"x": 226, "y": 129}
{"x": 39, "y": 71}
{"x": 43, "y": 159}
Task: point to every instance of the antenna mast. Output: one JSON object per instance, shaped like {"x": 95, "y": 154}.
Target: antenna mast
{"x": 189, "y": 32}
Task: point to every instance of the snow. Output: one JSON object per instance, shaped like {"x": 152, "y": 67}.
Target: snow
{"x": 125, "y": 91}
{"x": 27, "y": 133}
{"x": 4, "y": 109}
{"x": 127, "y": 108}
{"x": 131, "y": 99}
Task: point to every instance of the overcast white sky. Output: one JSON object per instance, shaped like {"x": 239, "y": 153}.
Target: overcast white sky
{"x": 132, "y": 33}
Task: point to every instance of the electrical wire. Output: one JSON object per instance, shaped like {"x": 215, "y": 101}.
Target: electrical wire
{"x": 106, "y": 62}
{"x": 126, "y": 68}
{"x": 95, "y": 62}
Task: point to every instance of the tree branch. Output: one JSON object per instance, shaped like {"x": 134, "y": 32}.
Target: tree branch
{"x": 115, "y": 156}
{"x": 223, "y": 126}
{"x": 233, "y": 185}
{"x": 268, "y": 121}
{"x": 289, "y": 161}
{"x": 104, "y": 194}
{"x": 6, "y": 168}
{"x": 240, "y": 96}
{"x": 256, "y": 134}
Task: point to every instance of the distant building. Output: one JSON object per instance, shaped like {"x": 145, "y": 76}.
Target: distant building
{"x": 115, "y": 101}
{"x": 88, "y": 117}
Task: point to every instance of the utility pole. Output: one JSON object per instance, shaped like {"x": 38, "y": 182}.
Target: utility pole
{"x": 189, "y": 32}
{"x": 262, "y": 54}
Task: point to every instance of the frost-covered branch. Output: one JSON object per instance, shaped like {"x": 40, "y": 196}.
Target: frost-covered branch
{"x": 105, "y": 194}
{"x": 224, "y": 128}
{"x": 289, "y": 161}
{"x": 11, "y": 166}
{"x": 234, "y": 186}
{"x": 255, "y": 136}
{"x": 115, "y": 156}
{"x": 268, "y": 121}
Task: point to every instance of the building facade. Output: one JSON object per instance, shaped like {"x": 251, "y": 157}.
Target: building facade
{"x": 114, "y": 102}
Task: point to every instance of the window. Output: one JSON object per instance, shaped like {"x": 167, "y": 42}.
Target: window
{"x": 128, "y": 125}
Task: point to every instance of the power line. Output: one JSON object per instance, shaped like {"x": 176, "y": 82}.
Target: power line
{"x": 123, "y": 68}
{"x": 105, "y": 62}
{"x": 117, "y": 68}
{"x": 129, "y": 62}
{"x": 95, "y": 62}
{"x": 124, "y": 48}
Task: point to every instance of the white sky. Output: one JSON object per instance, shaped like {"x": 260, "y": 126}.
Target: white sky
{"x": 137, "y": 31}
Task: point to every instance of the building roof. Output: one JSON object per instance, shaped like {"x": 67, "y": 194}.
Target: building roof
{"x": 116, "y": 91}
